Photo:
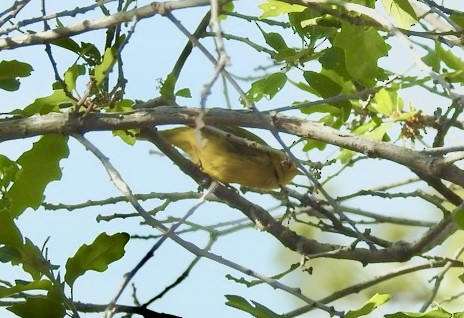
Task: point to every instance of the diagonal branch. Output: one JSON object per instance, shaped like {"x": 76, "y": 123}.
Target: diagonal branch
{"x": 124, "y": 188}
{"x": 400, "y": 251}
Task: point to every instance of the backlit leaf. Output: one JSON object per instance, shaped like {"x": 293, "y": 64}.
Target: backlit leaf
{"x": 401, "y": 11}
{"x": 39, "y": 167}
{"x": 268, "y": 86}
{"x": 376, "y": 301}
{"x": 274, "y": 8}
{"x": 102, "y": 69}
{"x": 38, "y": 307}
{"x": 9, "y": 73}
{"x": 10, "y": 235}
{"x": 48, "y": 104}
{"x": 253, "y": 308}
{"x": 71, "y": 75}
{"x": 363, "y": 47}
{"x": 8, "y": 172}
{"x": 22, "y": 286}
{"x": 105, "y": 250}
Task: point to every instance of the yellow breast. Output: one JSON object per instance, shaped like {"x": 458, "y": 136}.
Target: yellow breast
{"x": 232, "y": 161}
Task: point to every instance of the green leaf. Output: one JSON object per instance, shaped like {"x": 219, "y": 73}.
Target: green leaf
{"x": 405, "y": 116}
{"x": 9, "y": 254}
{"x": 13, "y": 69}
{"x": 366, "y": 3}
{"x": 227, "y": 7}
{"x": 401, "y": 11}
{"x": 334, "y": 59}
{"x": 8, "y": 172}
{"x": 268, "y": 86}
{"x": 371, "y": 130}
{"x": 294, "y": 57}
{"x": 454, "y": 77}
{"x": 38, "y": 307}
{"x": 96, "y": 256}
{"x": 461, "y": 277}
{"x": 255, "y": 309}
{"x": 312, "y": 25}
{"x": 324, "y": 108}
{"x": 376, "y": 301}
{"x": 304, "y": 87}
{"x": 39, "y": 167}
{"x": 168, "y": 85}
{"x": 10, "y": 235}
{"x": 327, "y": 21}
{"x": 436, "y": 313}
{"x": 71, "y": 75}
{"x": 314, "y": 144}
{"x": 433, "y": 59}
{"x": 87, "y": 51}
{"x": 68, "y": 44}
{"x": 33, "y": 261}
{"x": 383, "y": 102}
{"x": 458, "y": 19}
{"x": 102, "y": 69}
{"x": 22, "y": 286}
{"x": 90, "y": 53}
{"x": 123, "y": 106}
{"x": 458, "y": 216}
{"x": 346, "y": 155}
{"x": 128, "y": 136}
{"x": 362, "y": 42}
{"x": 450, "y": 59}
{"x": 387, "y": 102}
{"x": 45, "y": 105}
{"x": 184, "y": 92}
{"x": 362, "y": 129}
{"x": 326, "y": 87}
{"x": 274, "y": 40}
{"x": 322, "y": 84}
{"x": 274, "y": 8}
{"x": 9, "y": 73}
{"x": 59, "y": 24}
{"x": 439, "y": 55}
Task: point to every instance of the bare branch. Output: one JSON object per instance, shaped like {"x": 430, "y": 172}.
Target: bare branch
{"x": 102, "y": 23}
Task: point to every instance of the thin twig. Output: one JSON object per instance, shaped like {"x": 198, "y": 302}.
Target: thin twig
{"x": 14, "y": 9}
{"x": 124, "y": 188}
{"x": 183, "y": 276}
{"x": 442, "y": 150}
{"x": 66, "y": 13}
{"x": 439, "y": 278}
{"x": 97, "y": 24}
{"x": 128, "y": 276}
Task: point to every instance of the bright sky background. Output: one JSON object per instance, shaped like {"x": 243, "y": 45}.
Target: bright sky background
{"x": 148, "y": 57}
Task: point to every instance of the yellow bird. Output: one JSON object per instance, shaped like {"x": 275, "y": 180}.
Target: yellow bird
{"x": 231, "y": 160}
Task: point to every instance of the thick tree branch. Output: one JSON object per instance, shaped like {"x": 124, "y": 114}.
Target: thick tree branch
{"x": 68, "y": 124}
